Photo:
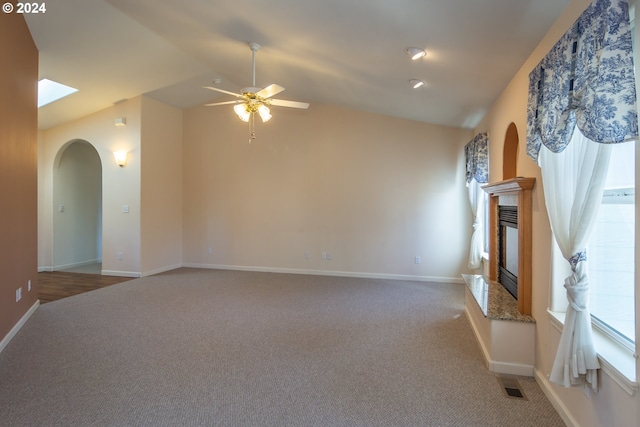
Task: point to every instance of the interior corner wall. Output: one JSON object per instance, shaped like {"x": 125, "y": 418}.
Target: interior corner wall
{"x": 611, "y": 406}
{"x": 18, "y": 171}
{"x": 121, "y": 185}
{"x": 369, "y": 192}
{"x": 161, "y": 187}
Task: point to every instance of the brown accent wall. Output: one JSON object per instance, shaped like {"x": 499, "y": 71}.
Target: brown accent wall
{"x": 18, "y": 169}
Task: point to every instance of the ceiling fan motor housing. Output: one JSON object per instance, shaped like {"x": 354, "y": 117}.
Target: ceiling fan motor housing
{"x": 250, "y": 90}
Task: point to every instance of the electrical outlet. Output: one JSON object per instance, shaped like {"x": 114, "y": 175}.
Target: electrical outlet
{"x": 324, "y": 255}
{"x": 209, "y": 251}
{"x": 329, "y": 257}
{"x": 418, "y": 260}
{"x": 120, "y": 256}
{"x": 19, "y": 294}
{"x": 307, "y": 255}
{"x": 29, "y": 285}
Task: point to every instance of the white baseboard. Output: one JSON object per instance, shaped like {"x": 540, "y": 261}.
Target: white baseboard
{"x": 511, "y": 368}
{"x": 12, "y": 333}
{"x": 454, "y": 280}
{"x": 121, "y": 273}
{"x": 75, "y": 265}
{"x": 160, "y": 270}
{"x": 49, "y": 268}
{"x": 547, "y": 389}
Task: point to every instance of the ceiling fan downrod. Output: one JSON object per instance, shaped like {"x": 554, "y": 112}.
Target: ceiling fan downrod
{"x": 254, "y": 48}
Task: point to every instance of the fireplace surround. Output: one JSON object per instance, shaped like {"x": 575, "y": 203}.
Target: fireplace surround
{"x": 514, "y": 196}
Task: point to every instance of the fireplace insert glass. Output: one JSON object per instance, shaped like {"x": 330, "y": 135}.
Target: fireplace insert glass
{"x": 508, "y": 248}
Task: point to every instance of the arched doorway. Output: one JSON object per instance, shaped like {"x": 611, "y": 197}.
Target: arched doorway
{"x": 77, "y": 208}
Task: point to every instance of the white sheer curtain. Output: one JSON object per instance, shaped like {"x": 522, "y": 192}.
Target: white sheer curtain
{"x": 476, "y": 199}
{"x": 573, "y": 183}
{"x": 586, "y": 86}
{"x": 477, "y": 173}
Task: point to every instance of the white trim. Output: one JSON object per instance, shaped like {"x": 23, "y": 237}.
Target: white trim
{"x": 75, "y": 264}
{"x": 45, "y": 268}
{"x": 363, "y": 275}
{"x": 12, "y": 333}
{"x": 548, "y": 390}
{"x": 121, "y": 273}
{"x": 511, "y": 368}
{"x": 160, "y": 270}
{"x": 615, "y": 359}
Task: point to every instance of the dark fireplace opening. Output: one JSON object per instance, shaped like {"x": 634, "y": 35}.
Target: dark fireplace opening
{"x": 508, "y": 248}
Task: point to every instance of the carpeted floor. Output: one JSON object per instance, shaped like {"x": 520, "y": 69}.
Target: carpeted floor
{"x": 226, "y": 348}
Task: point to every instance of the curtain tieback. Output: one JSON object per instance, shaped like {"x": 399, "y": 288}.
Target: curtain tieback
{"x": 577, "y": 286}
{"x": 576, "y": 258}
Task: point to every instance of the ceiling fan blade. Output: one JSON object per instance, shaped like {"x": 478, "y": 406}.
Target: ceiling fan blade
{"x": 222, "y": 103}
{"x": 270, "y": 90}
{"x": 223, "y": 91}
{"x": 291, "y": 104}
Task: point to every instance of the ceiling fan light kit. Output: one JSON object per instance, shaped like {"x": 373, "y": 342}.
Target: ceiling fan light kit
{"x": 254, "y": 100}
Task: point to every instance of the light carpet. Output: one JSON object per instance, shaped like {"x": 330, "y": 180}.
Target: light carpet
{"x": 196, "y": 347}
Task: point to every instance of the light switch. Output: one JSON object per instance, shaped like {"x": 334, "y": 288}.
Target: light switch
{"x": 60, "y": 208}
{"x": 125, "y": 208}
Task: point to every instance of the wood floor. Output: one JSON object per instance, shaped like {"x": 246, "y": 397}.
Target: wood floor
{"x": 60, "y": 284}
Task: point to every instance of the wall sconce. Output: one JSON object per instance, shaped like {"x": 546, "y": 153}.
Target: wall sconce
{"x": 121, "y": 158}
{"x": 120, "y": 121}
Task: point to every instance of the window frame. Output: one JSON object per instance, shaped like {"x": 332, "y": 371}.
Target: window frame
{"x": 617, "y": 196}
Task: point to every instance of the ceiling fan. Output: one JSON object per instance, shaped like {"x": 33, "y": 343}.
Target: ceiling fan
{"x": 254, "y": 99}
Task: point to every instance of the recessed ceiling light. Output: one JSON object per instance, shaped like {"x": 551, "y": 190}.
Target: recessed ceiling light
{"x": 415, "y": 83}
{"x": 415, "y": 53}
{"x": 49, "y": 91}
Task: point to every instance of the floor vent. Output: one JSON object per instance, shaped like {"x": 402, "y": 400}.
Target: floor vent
{"x": 511, "y": 387}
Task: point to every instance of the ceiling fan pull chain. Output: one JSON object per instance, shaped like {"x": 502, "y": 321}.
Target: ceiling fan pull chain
{"x": 252, "y": 128}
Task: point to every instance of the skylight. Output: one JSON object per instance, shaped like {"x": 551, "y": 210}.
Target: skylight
{"x": 49, "y": 91}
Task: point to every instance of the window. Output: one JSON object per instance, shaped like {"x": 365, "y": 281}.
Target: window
{"x": 611, "y": 251}
{"x": 574, "y": 181}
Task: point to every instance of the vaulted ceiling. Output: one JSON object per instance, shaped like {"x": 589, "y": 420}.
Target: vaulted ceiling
{"x": 344, "y": 52}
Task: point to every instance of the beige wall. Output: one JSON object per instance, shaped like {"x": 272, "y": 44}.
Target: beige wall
{"x": 612, "y": 405}
{"x": 372, "y": 191}
{"x": 121, "y": 186}
{"x": 161, "y": 187}
{"x": 18, "y": 172}
{"x": 149, "y": 236}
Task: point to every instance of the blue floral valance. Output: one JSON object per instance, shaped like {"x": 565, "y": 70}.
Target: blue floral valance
{"x": 586, "y": 80}
{"x": 476, "y": 154}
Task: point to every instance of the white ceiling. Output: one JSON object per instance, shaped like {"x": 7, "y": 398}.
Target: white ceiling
{"x": 343, "y": 52}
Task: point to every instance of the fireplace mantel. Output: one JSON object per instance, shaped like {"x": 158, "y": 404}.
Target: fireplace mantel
{"x": 513, "y": 192}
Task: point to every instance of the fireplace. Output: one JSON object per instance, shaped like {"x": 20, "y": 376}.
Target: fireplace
{"x": 510, "y": 206}
{"x": 508, "y": 248}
